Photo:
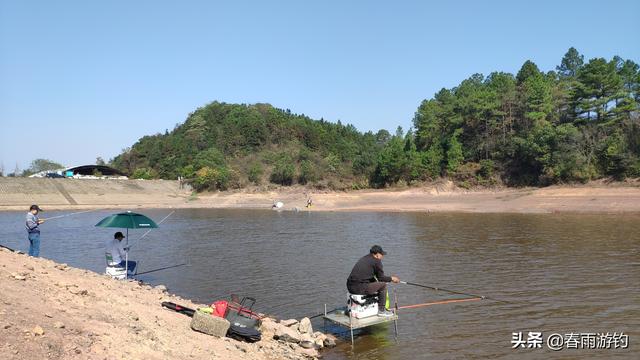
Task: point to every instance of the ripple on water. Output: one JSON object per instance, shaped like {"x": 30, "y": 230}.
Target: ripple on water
{"x": 559, "y": 272}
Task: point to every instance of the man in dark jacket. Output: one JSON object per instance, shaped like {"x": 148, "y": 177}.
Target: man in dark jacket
{"x": 33, "y": 230}
{"x": 368, "y": 278}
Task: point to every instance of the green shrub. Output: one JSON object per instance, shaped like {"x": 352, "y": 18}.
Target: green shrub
{"x": 188, "y": 172}
{"x": 283, "y": 171}
{"x": 211, "y": 158}
{"x": 255, "y": 173}
{"x": 486, "y": 170}
{"x": 144, "y": 173}
{"x": 308, "y": 172}
{"x": 212, "y": 179}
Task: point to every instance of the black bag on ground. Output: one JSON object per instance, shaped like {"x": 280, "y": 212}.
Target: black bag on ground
{"x": 241, "y": 314}
{"x": 247, "y": 334}
{"x": 243, "y": 320}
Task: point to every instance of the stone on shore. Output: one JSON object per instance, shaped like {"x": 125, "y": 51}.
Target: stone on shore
{"x": 18, "y": 276}
{"x": 319, "y": 339}
{"x": 268, "y": 327}
{"x": 329, "y": 340}
{"x": 211, "y": 325}
{"x": 312, "y": 353}
{"x": 38, "y": 330}
{"x": 287, "y": 334}
{"x": 304, "y": 327}
{"x": 290, "y": 322}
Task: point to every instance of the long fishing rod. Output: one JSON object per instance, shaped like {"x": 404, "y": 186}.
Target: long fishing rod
{"x": 161, "y": 221}
{"x": 164, "y": 268}
{"x": 438, "y": 303}
{"x": 65, "y": 215}
{"x": 453, "y": 291}
{"x": 8, "y": 248}
{"x": 148, "y": 231}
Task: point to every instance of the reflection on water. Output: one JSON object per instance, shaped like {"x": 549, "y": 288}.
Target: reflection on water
{"x": 561, "y": 273}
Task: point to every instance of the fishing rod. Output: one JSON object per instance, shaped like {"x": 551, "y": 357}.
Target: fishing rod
{"x": 163, "y": 268}
{"x": 65, "y": 215}
{"x": 438, "y": 303}
{"x": 6, "y": 247}
{"x": 161, "y": 221}
{"x": 148, "y": 231}
{"x": 452, "y": 291}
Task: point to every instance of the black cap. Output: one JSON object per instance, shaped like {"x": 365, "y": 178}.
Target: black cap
{"x": 118, "y": 234}
{"x": 35, "y": 207}
{"x": 376, "y": 249}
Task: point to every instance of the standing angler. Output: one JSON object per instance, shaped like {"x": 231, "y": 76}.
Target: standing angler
{"x": 368, "y": 278}
{"x": 33, "y": 229}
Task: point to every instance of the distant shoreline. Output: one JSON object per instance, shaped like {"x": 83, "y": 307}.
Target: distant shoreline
{"x": 68, "y": 194}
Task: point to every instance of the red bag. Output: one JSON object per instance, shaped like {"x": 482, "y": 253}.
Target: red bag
{"x": 220, "y": 308}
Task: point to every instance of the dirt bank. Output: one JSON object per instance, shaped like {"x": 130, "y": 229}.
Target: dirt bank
{"x": 445, "y": 197}
{"x": 52, "y": 311}
{"x": 597, "y": 197}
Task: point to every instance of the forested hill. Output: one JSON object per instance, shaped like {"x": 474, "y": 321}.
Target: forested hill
{"x": 224, "y": 146}
{"x": 577, "y": 123}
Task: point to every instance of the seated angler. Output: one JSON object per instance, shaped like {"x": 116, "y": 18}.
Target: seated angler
{"x": 118, "y": 253}
{"x": 368, "y": 278}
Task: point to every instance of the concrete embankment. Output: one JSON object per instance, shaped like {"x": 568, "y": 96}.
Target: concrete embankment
{"x": 16, "y": 193}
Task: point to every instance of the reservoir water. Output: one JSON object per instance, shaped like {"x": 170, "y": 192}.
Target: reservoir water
{"x": 560, "y": 273}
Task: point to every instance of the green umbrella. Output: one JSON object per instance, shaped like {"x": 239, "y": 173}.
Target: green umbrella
{"x": 127, "y": 220}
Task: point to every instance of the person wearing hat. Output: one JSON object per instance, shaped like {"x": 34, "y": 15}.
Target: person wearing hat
{"x": 33, "y": 230}
{"x": 119, "y": 252}
{"x": 368, "y": 278}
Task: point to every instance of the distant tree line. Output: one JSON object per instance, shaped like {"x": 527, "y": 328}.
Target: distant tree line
{"x": 577, "y": 123}
{"x": 36, "y": 166}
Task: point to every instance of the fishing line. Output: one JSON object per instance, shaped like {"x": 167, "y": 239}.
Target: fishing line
{"x": 128, "y": 248}
{"x": 65, "y": 215}
{"x": 161, "y": 221}
{"x": 148, "y": 231}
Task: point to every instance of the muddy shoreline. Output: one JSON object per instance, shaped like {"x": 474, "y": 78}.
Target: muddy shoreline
{"x": 70, "y": 194}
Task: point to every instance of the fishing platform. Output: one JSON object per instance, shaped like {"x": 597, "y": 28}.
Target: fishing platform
{"x": 345, "y": 319}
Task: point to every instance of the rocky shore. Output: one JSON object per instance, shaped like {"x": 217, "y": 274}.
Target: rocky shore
{"x": 54, "y": 311}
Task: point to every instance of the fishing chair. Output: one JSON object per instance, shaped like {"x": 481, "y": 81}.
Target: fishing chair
{"x": 115, "y": 271}
{"x": 361, "y": 306}
{"x": 362, "y": 299}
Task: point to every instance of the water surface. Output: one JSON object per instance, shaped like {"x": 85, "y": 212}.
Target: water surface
{"x": 560, "y": 273}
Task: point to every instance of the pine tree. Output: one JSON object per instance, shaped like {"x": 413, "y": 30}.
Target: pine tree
{"x": 599, "y": 84}
{"x": 528, "y": 69}
{"x": 570, "y": 64}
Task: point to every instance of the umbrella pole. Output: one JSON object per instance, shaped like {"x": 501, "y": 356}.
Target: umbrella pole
{"x": 126, "y": 259}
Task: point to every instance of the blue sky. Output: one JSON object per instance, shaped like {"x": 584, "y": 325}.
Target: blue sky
{"x": 81, "y": 79}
